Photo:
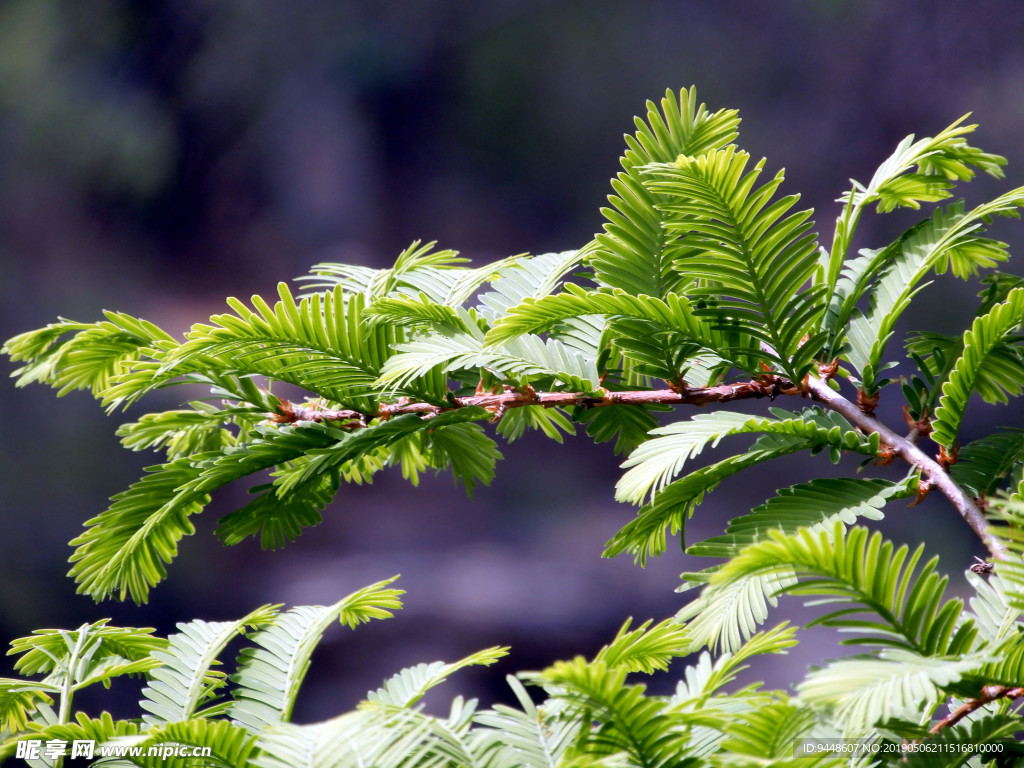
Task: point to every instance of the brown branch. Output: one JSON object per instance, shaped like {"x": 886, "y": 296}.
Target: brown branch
{"x": 988, "y": 694}
{"x": 499, "y": 403}
{"x": 932, "y": 473}
{"x": 288, "y": 412}
{"x": 918, "y": 427}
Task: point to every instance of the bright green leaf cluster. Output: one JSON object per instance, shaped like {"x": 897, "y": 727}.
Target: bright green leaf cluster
{"x": 706, "y": 286}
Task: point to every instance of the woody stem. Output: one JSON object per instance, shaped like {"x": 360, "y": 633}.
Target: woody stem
{"x": 934, "y": 474}
{"x": 502, "y": 401}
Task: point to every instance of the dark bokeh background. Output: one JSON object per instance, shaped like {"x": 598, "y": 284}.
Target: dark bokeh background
{"x": 157, "y": 156}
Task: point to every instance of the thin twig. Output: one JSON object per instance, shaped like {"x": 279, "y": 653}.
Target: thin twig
{"x": 933, "y": 474}
{"x": 988, "y": 694}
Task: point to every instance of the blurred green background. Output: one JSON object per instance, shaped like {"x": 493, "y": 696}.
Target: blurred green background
{"x": 158, "y": 155}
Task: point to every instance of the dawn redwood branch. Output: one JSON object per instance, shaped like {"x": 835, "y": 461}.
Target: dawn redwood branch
{"x": 933, "y": 474}
{"x": 988, "y": 694}
{"x": 510, "y": 397}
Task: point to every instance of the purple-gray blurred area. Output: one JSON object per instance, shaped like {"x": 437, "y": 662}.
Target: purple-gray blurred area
{"x": 157, "y": 156}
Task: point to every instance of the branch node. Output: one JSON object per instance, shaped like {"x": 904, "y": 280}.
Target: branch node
{"x": 885, "y": 456}
{"x": 678, "y": 385}
{"x": 918, "y": 427}
{"x": 946, "y": 459}
{"x": 284, "y": 412}
{"x": 527, "y": 394}
{"x": 827, "y": 370}
{"x": 924, "y": 485}
{"x": 767, "y": 385}
{"x": 867, "y": 403}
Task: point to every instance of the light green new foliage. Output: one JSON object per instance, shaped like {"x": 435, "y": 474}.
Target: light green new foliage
{"x": 985, "y": 334}
{"x": 706, "y": 286}
{"x": 172, "y": 696}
